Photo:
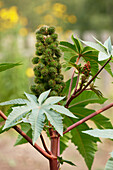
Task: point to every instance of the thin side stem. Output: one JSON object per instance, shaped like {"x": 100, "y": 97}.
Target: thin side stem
{"x": 38, "y": 148}
{"x": 44, "y": 144}
{"x": 76, "y": 84}
{"x": 88, "y": 117}
{"x": 74, "y": 96}
{"x": 70, "y": 87}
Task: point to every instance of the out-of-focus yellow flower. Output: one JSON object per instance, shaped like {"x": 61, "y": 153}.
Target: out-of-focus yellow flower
{"x": 8, "y": 17}
{"x": 23, "y": 31}
{"x": 9, "y": 14}
{"x": 72, "y": 19}
{"x": 29, "y": 72}
{"x": 59, "y": 9}
{"x": 23, "y": 21}
{"x": 48, "y": 19}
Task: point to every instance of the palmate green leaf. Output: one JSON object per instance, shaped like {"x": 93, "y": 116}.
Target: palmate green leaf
{"x": 26, "y": 128}
{"x": 106, "y": 133}
{"x": 85, "y": 98}
{"x": 63, "y": 110}
{"x": 15, "y": 101}
{"x": 98, "y": 45}
{"x": 105, "y": 50}
{"x": 86, "y": 144}
{"x": 43, "y": 96}
{"x": 35, "y": 112}
{"x": 78, "y": 45}
{"x": 36, "y": 119}
{"x": 53, "y": 100}
{"x": 55, "y": 119}
{"x": 100, "y": 121}
{"x": 64, "y": 141}
{"x": 6, "y": 66}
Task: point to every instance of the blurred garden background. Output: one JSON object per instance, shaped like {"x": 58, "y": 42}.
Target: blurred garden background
{"x": 18, "y": 23}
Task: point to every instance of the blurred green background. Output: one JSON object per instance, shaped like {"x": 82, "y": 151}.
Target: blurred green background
{"x": 18, "y": 22}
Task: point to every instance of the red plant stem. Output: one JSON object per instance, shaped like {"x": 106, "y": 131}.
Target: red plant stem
{"x": 44, "y": 145}
{"x": 70, "y": 87}
{"x": 38, "y": 148}
{"x": 54, "y": 149}
{"x": 87, "y": 118}
{"x": 74, "y": 96}
{"x": 58, "y": 145}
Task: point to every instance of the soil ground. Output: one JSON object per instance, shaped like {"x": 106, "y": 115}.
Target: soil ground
{"x": 24, "y": 157}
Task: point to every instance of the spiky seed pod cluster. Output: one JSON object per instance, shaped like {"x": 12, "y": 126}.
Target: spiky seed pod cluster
{"x": 86, "y": 69}
{"x": 47, "y": 67}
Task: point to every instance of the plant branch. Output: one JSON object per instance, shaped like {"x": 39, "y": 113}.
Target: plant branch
{"x": 74, "y": 96}
{"x": 70, "y": 87}
{"x": 88, "y": 117}
{"x": 44, "y": 145}
{"x": 76, "y": 84}
{"x": 38, "y": 148}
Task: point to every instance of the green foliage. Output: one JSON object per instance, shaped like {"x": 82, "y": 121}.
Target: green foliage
{"x": 64, "y": 141}
{"x": 48, "y": 68}
{"x": 65, "y": 161}
{"x": 73, "y": 51}
{"x": 6, "y": 66}
{"x": 106, "y": 133}
{"x": 33, "y": 112}
{"x": 86, "y": 145}
{"x": 26, "y": 128}
{"x": 105, "y": 51}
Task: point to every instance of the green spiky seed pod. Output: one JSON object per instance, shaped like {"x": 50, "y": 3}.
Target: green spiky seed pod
{"x": 33, "y": 88}
{"x": 44, "y": 72}
{"x": 58, "y": 66}
{"x": 51, "y": 83}
{"x": 38, "y": 44}
{"x": 40, "y": 50}
{"x": 48, "y": 52}
{"x": 57, "y": 52}
{"x": 58, "y": 88}
{"x": 43, "y": 30}
{"x": 51, "y": 30}
{"x": 48, "y": 60}
{"x": 54, "y": 63}
{"x": 37, "y": 80}
{"x": 40, "y": 66}
{"x": 37, "y": 73}
{"x": 60, "y": 76}
{"x": 40, "y": 37}
{"x": 53, "y": 93}
{"x": 54, "y": 36}
{"x": 40, "y": 88}
{"x": 58, "y": 80}
{"x": 52, "y": 70}
{"x": 35, "y": 60}
{"x": 48, "y": 40}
